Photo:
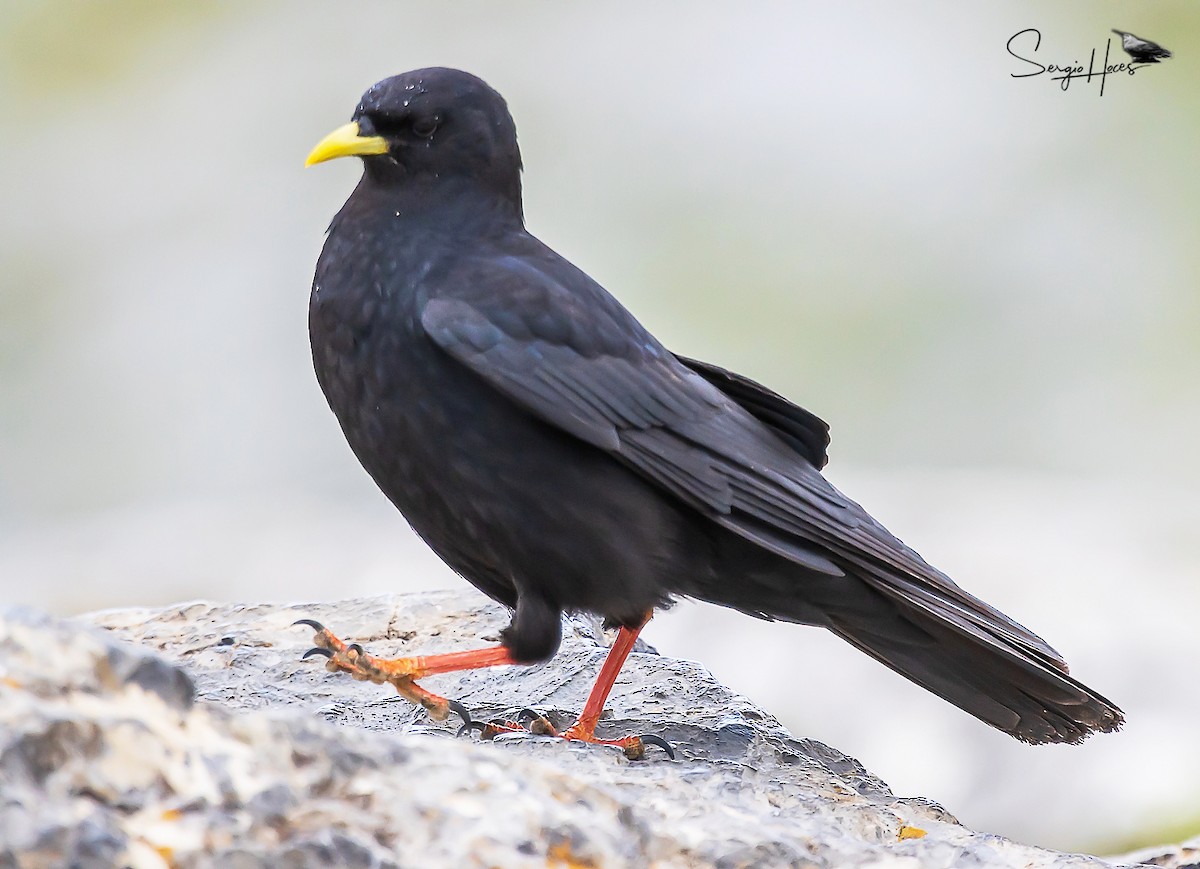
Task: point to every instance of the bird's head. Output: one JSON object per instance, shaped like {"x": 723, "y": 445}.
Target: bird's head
{"x": 430, "y": 123}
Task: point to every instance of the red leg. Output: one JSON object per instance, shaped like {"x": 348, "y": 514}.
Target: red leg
{"x": 402, "y": 673}
{"x": 585, "y": 727}
{"x": 584, "y": 730}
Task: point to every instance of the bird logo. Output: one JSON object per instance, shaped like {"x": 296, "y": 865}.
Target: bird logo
{"x": 1141, "y": 50}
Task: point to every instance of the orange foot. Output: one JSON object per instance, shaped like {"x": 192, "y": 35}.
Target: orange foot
{"x": 402, "y": 674}
{"x": 634, "y": 747}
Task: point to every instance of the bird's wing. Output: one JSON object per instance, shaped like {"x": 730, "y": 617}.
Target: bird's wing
{"x": 803, "y": 431}
{"x": 580, "y": 362}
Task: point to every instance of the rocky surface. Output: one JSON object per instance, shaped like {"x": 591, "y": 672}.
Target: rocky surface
{"x": 195, "y": 736}
{"x": 1183, "y": 856}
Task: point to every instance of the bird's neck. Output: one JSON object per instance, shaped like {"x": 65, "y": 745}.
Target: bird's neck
{"x": 458, "y": 206}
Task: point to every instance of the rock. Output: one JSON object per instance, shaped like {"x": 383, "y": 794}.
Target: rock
{"x": 1182, "y": 856}
{"x": 195, "y": 736}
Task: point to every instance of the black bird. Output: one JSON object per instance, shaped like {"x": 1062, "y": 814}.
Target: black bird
{"x": 1141, "y": 50}
{"x": 559, "y": 458}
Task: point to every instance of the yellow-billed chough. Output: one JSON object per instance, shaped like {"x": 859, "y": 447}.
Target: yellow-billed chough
{"x": 559, "y": 458}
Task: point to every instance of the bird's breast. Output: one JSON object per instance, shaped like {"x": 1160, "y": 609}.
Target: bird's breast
{"x": 502, "y": 496}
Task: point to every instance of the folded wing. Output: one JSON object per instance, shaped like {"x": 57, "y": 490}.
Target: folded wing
{"x": 726, "y": 446}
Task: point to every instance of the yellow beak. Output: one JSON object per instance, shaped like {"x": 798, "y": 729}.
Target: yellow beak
{"x": 346, "y": 141}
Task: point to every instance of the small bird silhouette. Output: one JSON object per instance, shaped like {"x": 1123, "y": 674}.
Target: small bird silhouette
{"x": 1141, "y": 50}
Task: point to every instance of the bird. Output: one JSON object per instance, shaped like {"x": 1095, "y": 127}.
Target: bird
{"x": 559, "y": 458}
{"x": 1141, "y": 50}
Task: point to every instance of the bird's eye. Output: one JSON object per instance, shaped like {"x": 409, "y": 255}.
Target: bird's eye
{"x": 424, "y": 127}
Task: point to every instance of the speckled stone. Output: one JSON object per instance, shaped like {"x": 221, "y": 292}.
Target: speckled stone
{"x": 194, "y": 736}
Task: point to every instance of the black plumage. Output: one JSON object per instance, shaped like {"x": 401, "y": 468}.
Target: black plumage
{"x": 1142, "y": 50}
{"x": 558, "y": 457}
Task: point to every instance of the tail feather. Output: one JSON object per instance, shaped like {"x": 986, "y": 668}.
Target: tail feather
{"x": 1000, "y": 683}
{"x": 920, "y": 624}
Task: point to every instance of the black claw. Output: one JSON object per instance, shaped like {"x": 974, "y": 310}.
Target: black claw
{"x": 651, "y": 739}
{"x": 457, "y": 707}
{"x": 468, "y": 727}
{"x": 536, "y": 723}
{"x": 316, "y": 626}
{"x": 529, "y": 714}
{"x": 355, "y": 647}
{"x": 316, "y": 650}
{"x": 469, "y": 723}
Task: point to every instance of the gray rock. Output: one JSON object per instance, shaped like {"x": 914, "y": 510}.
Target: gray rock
{"x": 195, "y": 736}
{"x": 1183, "y": 856}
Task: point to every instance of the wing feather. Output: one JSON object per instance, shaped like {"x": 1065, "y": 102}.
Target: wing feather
{"x": 722, "y": 444}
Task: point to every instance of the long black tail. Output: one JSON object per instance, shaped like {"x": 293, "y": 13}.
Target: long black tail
{"x": 804, "y": 552}
{"x": 1013, "y": 686}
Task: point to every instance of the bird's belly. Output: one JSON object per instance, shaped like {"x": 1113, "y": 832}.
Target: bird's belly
{"x": 510, "y": 503}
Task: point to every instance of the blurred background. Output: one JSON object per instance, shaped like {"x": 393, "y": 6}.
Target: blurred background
{"x": 986, "y": 284}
